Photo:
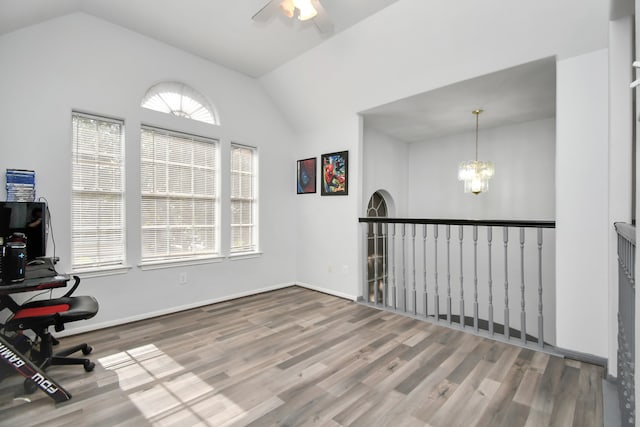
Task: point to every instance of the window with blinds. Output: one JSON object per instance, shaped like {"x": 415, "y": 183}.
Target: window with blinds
{"x": 243, "y": 199}
{"x": 97, "y": 215}
{"x": 178, "y": 178}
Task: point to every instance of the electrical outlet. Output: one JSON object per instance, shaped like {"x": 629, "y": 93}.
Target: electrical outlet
{"x": 182, "y": 279}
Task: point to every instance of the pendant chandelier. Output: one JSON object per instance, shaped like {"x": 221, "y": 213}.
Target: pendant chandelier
{"x": 475, "y": 173}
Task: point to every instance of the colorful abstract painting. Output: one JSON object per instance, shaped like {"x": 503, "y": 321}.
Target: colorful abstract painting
{"x": 335, "y": 169}
{"x": 307, "y": 176}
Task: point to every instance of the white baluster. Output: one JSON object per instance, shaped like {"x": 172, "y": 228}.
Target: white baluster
{"x": 523, "y": 315}
{"x": 540, "y": 315}
{"x": 460, "y": 238}
{"x": 475, "y": 278}
{"x": 435, "y": 273}
{"x": 505, "y": 238}
{"x": 424, "y": 269}
{"x": 448, "y": 235}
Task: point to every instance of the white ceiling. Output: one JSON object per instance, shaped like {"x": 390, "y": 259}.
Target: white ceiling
{"x": 218, "y": 30}
{"x": 523, "y": 93}
{"x": 223, "y": 32}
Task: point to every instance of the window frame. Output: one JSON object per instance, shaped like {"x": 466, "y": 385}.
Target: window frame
{"x": 100, "y": 268}
{"x": 255, "y": 226}
{"x": 168, "y": 97}
{"x": 150, "y": 263}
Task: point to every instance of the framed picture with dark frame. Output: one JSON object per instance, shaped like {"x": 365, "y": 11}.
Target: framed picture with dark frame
{"x": 307, "y": 176}
{"x": 335, "y": 174}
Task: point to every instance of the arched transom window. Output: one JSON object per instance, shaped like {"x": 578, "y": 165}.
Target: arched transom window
{"x": 180, "y": 100}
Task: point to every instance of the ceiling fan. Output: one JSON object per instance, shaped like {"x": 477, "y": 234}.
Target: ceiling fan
{"x": 304, "y": 10}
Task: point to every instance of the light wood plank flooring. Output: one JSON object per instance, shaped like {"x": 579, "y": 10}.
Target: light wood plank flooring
{"x": 296, "y": 357}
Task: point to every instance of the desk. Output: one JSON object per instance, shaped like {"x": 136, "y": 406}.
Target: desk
{"x": 28, "y": 285}
{"x": 38, "y": 284}
{"x": 18, "y": 361}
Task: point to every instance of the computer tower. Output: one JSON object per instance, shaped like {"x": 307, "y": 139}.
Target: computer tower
{"x": 14, "y": 262}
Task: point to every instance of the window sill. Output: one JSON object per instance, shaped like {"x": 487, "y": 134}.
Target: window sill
{"x": 244, "y": 255}
{"x": 157, "y": 265}
{"x": 101, "y": 271}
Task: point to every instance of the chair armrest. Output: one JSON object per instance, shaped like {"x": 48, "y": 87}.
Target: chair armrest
{"x": 73, "y": 288}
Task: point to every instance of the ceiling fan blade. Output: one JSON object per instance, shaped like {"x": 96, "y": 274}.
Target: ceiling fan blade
{"x": 322, "y": 20}
{"x": 266, "y": 12}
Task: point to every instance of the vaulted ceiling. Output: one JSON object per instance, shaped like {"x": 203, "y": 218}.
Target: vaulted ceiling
{"x": 221, "y": 31}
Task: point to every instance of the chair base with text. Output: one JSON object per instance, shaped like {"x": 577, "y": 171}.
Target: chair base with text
{"x": 39, "y": 316}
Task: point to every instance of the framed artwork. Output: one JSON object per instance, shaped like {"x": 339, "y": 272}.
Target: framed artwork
{"x": 307, "y": 176}
{"x": 335, "y": 174}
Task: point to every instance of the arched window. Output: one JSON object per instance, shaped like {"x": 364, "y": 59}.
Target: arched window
{"x": 180, "y": 100}
{"x": 377, "y": 206}
{"x": 377, "y": 252}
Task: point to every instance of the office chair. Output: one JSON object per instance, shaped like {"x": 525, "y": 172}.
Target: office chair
{"x": 39, "y": 315}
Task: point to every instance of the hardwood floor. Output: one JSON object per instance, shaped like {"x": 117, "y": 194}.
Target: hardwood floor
{"x": 296, "y": 357}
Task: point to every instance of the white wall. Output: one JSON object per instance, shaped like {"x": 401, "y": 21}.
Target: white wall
{"x": 523, "y": 187}
{"x": 80, "y": 62}
{"x": 327, "y": 239}
{"x": 582, "y": 203}
{"x": 415, "y": 46}
{"x": 386, "y": 167}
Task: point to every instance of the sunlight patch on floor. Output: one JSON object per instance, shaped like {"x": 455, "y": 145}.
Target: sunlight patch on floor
{"x": 168, "y": 399}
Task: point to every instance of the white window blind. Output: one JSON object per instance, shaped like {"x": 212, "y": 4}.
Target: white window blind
{"x": 98, "y": 224}
{"x": 178, "y": 176}
{"x": 243, "y": 199}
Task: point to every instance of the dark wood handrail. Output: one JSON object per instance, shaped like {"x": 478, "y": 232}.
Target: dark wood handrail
{"x": 483, "y": 222}
{"x": 626, "y": 230}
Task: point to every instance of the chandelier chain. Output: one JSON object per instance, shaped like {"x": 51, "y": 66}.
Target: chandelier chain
{"x": 477, "y": 114}
{"x": 477, "y": 136}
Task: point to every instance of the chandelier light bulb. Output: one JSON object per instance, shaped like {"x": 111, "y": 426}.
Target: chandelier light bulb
{"x": 476, "y": 185}
{"x": 306, "y": 10}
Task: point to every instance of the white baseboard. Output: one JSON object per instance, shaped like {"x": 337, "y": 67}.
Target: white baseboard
{"x": 95, "y": 326}
{"x": 327, "y": 291}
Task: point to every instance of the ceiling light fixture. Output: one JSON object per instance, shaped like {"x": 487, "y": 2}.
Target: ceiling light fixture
{"x": 474, "y": 173}
{"x": 306, "y": 10}
{"x": 287, "y": 8}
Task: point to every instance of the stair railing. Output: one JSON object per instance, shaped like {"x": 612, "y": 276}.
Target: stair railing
{"x": 412, "y": 264}
{"x": 626, "y": 321}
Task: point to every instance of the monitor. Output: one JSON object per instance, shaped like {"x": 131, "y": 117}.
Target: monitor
{"x": 28, "y": 218}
